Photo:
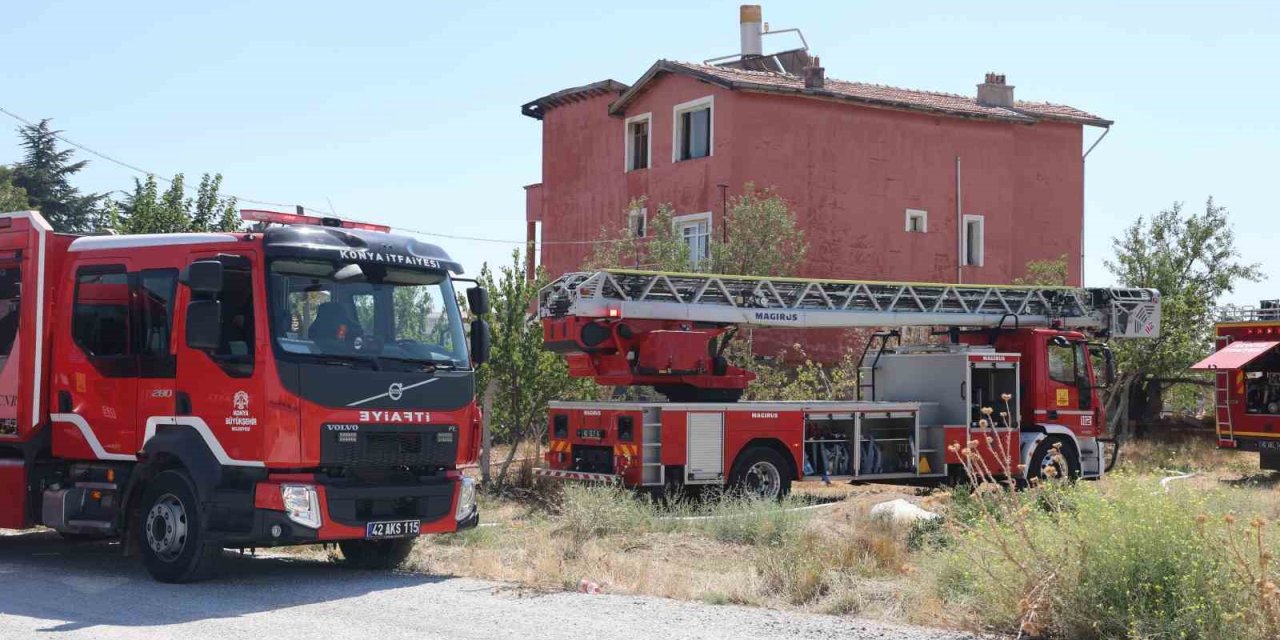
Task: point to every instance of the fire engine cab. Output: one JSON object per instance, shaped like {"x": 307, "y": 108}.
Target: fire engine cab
{"x": 1026, "y": 354}
{"x": 1246, "y": 368}
{"x": 307, "y": 382}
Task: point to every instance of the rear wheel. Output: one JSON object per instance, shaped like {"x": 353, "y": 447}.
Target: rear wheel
{"x": 761, "y": 472}
{"x": 1055, "y": 458}
{"x": 376, "y": 554}
{"x": 173, "y": 534}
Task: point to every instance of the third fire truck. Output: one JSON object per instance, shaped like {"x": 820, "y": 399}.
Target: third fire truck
{"x": 1035, "y": 346}
{"x": 1246, "y": 369}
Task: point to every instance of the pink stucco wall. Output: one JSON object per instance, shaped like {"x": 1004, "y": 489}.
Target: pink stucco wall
{"x": 849, "y": 173}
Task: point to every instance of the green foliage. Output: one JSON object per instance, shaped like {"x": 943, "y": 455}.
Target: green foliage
{"x": 763, "y": 236}
{"x": 1193, "y": 261}
{"x": 12, "y": 197}
{"x": 1116, "y": 562}
{"x": 763, "y": 240}
{"x": 1046, "y": 273}
{"x": 522, "y": 375}
{"x": 45, "y": 175}
{"x": 146, "y": 210}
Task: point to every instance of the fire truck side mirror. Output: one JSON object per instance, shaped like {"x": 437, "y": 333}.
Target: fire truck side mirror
{"x": 204, "y": 324}
{"x": 204, "y": 276}
{"x": 479, "y": 341}
{"x": 478, "y": 300}
{"x": 1102, "y": 354}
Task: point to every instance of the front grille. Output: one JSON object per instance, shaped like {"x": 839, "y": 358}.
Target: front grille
{"x": 388, "y": 446}
{"x": 353, "y": 503}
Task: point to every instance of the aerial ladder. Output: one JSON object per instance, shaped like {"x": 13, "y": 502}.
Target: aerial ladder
{"x": 670, "y": 330}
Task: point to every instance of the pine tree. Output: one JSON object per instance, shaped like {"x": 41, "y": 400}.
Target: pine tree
{"x": 45, "y": 174}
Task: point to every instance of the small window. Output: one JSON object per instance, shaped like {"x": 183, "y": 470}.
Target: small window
{"x": 235, "y": 350}
{"x": 693, "y": 130}
{"x": 638, "y": 142}
{"x": 1062, "y": 364}
{"x": 917, "y": 221}
{"x": 637, "y": 221}
{"x": 10, "y": 306}
{"x": 156, "y": 289}
{"x": 100, "y": 315}
{"x": 695, "y": 230}
{"x": 974, "y": 243}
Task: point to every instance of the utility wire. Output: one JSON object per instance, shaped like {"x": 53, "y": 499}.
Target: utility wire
{"x": 193, "y": 189}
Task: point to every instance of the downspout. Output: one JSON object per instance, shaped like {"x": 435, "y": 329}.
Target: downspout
{"x": 959, "y": 229}
{"x": 1083, "y": 217}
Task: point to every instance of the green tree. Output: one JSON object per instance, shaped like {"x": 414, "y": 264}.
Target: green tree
{"x": 522, "y": 375}
{"x": 45, "y": 174}
{"x": 147, "y": 210}
{"x": 660, "y": 248}
{"x": 1045, "y": 273}
{"x": 1193, "y": 261}
{"x": 12, "y": 197}
{"x": 763, "y": 238}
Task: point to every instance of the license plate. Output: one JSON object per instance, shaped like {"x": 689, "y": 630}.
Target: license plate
{"x": 392, "y": 529}
{"x": 1268, "y": 444}
{"x": 598, "y": 434}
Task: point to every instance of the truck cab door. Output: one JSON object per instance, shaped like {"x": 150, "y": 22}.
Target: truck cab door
{"x": 101, "y": 381}
{"x": 1070, "y": 393}
{"x": 219, "y": 389}
{"x": 154, "y": 294}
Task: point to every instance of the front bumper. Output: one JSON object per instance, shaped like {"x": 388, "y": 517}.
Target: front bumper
{"x": 345, "y": 509}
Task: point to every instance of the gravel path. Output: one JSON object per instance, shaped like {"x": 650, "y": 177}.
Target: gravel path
{"x": 87, "y": 590}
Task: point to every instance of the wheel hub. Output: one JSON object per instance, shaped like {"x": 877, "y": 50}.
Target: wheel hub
{"x": 166, "y": 527}
{"x": 764, "y": 480}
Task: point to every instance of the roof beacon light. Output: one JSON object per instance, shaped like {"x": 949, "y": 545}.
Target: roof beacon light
{"x": 278, "y": 217}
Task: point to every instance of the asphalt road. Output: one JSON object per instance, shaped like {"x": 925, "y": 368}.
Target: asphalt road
{"x": 54, "y": 589}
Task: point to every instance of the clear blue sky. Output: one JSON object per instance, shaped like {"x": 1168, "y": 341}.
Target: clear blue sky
{"x": 408, "y": 112}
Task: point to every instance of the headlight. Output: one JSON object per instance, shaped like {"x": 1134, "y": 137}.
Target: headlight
{"x": 301, "y": 504}
{"x": 466, "y": 500}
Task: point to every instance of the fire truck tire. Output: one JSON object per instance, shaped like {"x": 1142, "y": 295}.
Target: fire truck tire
{"x": 376, "y": 554}
{"x": 761, "y": 472}
{"x": 1067, "y": 464}
{"x": 173, "y": 534}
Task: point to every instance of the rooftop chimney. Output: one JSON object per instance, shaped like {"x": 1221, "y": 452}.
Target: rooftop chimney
{"x": 815, "y": 77}
{"x": 752, "y": 30}
{"x": 994, "y": 92}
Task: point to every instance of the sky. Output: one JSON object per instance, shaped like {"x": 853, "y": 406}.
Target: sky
{"x": 408, "y": 113}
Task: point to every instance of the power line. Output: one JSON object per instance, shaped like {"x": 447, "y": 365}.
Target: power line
{"x": 157, "y": 176}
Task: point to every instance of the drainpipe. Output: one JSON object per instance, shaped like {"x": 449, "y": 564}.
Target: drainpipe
{"x": 1105, "y": 131}
{"x": 959, "y": 229}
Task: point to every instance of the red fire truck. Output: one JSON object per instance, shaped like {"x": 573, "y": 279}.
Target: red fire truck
{"x": 309, "y": 382}
{"x": 1031, "y": 345}
{"x": 1246, "y": 368}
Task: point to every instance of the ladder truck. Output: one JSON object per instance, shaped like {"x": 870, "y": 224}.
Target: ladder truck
{"x": 1246, "y": 369}
{"x": 1027, "y": 351}
{"x": 307, "y": 382}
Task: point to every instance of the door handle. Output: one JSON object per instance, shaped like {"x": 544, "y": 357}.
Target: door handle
{"x": 64, "y": 401}
{"x": 181, "y": 404}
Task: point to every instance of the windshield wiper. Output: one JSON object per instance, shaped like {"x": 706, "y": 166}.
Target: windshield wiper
{"x": 426, "y": 364}
{"x": 340, "y": 359}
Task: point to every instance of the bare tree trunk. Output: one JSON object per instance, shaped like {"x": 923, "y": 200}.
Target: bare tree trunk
{"x": 518, "y": 437}
{"x": 486, "y": 442}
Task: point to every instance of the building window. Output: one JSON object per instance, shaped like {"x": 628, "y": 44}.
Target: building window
{"x": 638, "y": 145}
{"x": 637, "y": 222}
{"x": 695, "y": 230}
{"x": 974, "y": 243}
{"x": 917, "y": 221}
{"x": 693, "y": 129}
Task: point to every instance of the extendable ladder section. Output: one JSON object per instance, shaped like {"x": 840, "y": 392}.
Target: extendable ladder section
{"x": 822, "y": 303}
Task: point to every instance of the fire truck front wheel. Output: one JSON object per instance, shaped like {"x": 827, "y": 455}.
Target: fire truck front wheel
{"x": 173, "y": 534}
{"x": 376, "y": 554}
{"x": 761, "y": 472}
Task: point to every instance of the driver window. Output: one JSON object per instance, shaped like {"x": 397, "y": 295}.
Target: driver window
{"x": 1062, "y": 364}
{"x": 235, "y": 350}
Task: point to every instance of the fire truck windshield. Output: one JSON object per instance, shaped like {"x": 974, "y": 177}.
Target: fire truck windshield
{"x": 382, "y": 316}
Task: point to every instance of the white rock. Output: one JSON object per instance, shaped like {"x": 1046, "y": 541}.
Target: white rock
{"x": 900, "y": 512}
